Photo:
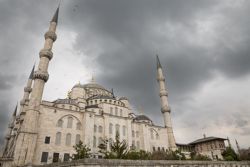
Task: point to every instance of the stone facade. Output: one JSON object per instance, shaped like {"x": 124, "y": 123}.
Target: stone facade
{"x": 45, "y": 131}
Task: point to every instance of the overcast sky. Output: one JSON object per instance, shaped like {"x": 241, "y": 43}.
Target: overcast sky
{"x": 204, "y": 48}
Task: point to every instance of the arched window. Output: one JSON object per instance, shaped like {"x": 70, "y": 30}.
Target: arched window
{"x": 124, "y": 130}
{"x": 157, "y": 136}
{"x": 137, "y": 133}
{"x": 77, "y": 139}
{"x": 133, "y": 133}
{"x": 117, "y": 128}
{"x": 68, "y": 139}
{"x": 116, "y": 111}
{"x": 152, "y": 134}
{"x": 110, "y": 142}
{"x": 137, "y": 144}
{"x": 58, "y": 138}
{"x": 110, "y": 128}
{"x": 99, "y": 140}
{"x": 100, "y": 129}
{"x": 95, "y": 128}
{"x": 121, "y": 112}
{"x": 70, "y": 121}
{"x": 111, "y": 110}
{"x": 94, "y": 141}
{"x": 133, "y": 144}
{"x": 60, "y": 123}
{"x": 78, "y": 126}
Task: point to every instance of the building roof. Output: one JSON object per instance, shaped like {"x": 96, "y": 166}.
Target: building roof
{"x": 89, "y": 85}
{"x": 206, "y": 139}
{"x": 65, "y": 101}
{"x": 92, "y": 106}
{"x": 101, "y": 97}
{"x": 142, "y": 117}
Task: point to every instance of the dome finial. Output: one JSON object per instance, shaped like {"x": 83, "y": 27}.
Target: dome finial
{"x": 92, "y": 79}
{"x": 141, "y": 110}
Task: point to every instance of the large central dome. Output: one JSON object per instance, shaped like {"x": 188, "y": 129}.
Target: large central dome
{"x": 93, "y": 85}
{"x": 93, "y": 89}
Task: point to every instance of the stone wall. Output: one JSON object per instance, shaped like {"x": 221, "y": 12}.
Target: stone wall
{"x": 147, "y": 163}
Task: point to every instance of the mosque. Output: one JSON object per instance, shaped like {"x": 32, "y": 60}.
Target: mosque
{"x": 42, "y": 132}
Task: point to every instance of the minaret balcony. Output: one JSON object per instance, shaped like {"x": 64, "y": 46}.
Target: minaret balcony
{"x": 51, "y": 35}
{"x": 165, "y": 109}
{"x": 46, "y": 53}
{"x": 160, "y": 79}
{"x": 7, "y": 137}
{"x": 27, "y": 89}
{"x": 11, "y": 125}
{"x": 41, "y": 75}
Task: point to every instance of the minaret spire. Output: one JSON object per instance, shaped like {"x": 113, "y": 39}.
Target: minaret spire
{"x": 15, "y": 111}
{"x": 229, "y": 143}
{"x": 32, "y": 72}
{"x": 29, "y": 128}
{"x": 55, "y": 17}
{"x": 238, "y": 147}
{"x": 158, "y": 62}
{"x": 27, "y": 90}
{"x": 165, "y": 109}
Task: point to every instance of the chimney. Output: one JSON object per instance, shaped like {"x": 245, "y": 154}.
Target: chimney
{"x": 204, "y": 135}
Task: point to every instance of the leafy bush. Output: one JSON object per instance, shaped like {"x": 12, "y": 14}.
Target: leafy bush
{"x": 138, "y": 155}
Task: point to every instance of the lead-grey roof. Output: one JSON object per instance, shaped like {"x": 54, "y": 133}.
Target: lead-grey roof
{"x": 101, "y": 97}
{"x": 158, "y": 62}
{"x": 92, "y": 106}
{"x": 90, "y": 85}
{"x": 142, "y": 117}
{"x": 206, "y": 139}
{"x": 55, "y": 17}
{"x": 65, "y": 101}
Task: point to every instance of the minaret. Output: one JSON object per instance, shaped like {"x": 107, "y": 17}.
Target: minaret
{"x": 26, "y": 142}
{"x": 237, "y": 145}
{"x": 165, "y": 109}
{"x": 229, "y": 143}
{"x": 9, "y": 133}
{"x": 11, "y": 124}
{"x": 27, "y": 90}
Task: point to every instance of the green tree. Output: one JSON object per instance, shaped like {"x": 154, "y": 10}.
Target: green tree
{"x": 118, "y": 149}
{"x": 230, "y": 155}
{"x": 82, "y": 151}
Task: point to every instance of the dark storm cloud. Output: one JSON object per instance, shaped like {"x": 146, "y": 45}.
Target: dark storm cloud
{"x": 123, "y": 37}
{"x": 21, "y": 24}
{"x": 128, "y": 34}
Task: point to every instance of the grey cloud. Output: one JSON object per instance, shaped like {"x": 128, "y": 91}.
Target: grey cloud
{"x": 122, "y": 38}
